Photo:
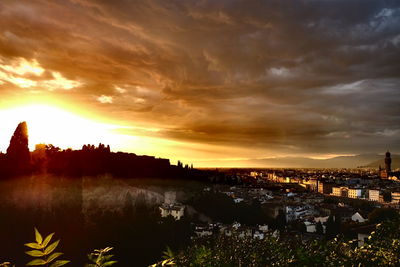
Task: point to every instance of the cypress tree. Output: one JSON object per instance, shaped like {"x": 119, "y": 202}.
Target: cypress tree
{"x": 18, "y": 154}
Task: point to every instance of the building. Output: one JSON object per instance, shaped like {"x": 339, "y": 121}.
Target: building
{"x": 256, "y": 174}
{"x": 354, "y": 192}
{"x": 325, "y": 187}
{"x": 175, "y": 210}
{"x": 202, "y": 231}
{"x": 358, "y": 217}
{"x": 310, "y": 184}
{"x": 170, "y": 207}
{"x": 271, "y": 176}
{"x": 238, "y": 200}
{"x": 363, "y": 233}
{"x": 322, "y": 220}
{"x": 388, "y": 162}
{"x": 373, "y": 195}
{"x": 297, "y": 212}
{"x": 310, "y": 227}
{"x": 396, "y": 197}
{"x": 361, "y": 238}
{"x": 341, "y": 191}
{"x": 336, "y": 191}
{"x": 385, "y": 173}
{"x": 258, "y": 235}
{"x": 263, "y": 228}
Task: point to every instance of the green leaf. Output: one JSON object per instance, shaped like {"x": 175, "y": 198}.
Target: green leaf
{"x": 34, "y": 245}
{"x": 53, "y": 256}
{"x": 47, "y": 240}
{"x": 109, "y": 263}
{"x": 59, "y": 263}
{"x": 107, "y": 249}
{"x": 35, "y": 253}
{"x": 36, "y": 262}
{"x": 107, "y": 257}
{"x": 168, "y": 253}
{"x": 51, "y": 247}
{"x": 92, "y": 257}
{"x": 38, "y": 236}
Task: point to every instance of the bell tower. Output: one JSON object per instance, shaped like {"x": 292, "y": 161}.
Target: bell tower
{"x": 388, "y": 162}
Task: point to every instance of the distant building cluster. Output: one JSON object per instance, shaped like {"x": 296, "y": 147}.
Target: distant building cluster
{"x": 311, "y": 201}
{"x": 172, "y": 208}
{"x": 242, "y": 231}
{"x": 354, "y": 184}
{"x": 175, "y": 210}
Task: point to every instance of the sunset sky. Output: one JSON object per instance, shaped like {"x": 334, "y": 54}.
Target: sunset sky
{"x": 203, "y": 80}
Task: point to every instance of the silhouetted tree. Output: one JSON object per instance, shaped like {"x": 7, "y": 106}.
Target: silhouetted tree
{"x": 382, "y": 214}
{"x": 39, "y": 158}
{"x": 332, "y": 226}
{"x": 387, "y": 196}
{"x": 319, "y": 228}
{"x": 280, "y": 220}
{"x": 18, "y": 154}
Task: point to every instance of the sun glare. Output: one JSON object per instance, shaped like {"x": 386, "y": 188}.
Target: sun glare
{"x": 51, "y": 125}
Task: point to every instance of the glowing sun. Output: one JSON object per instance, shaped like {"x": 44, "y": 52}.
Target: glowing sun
{"x": 51, "y": 125}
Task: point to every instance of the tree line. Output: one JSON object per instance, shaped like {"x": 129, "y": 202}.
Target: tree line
{"x": 89, "y": 160}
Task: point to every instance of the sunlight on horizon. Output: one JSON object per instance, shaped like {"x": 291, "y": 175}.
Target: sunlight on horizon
{"x": 67, "y": 126}
{"x": 51, "y": 125}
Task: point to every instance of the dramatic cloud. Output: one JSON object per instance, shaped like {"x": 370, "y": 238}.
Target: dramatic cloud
{"x": 251, "y": 78}
{"x": 17, "y": 71}
{"x": 105, "y": 99}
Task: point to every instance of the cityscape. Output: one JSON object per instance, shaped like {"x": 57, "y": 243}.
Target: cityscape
{"x": 209, "y": 133}
{"x": 244, "y": 203}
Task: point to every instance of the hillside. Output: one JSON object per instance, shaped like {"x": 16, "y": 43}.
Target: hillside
{"x": 395, "y": 162}
{"x": 367, "y": 160}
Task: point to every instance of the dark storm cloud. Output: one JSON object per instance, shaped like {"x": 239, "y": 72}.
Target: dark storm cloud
{"x": 317, "y": 76}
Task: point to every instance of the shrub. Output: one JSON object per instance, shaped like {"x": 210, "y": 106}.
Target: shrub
{"x": 101, "y": 258}
{"x": 43, "y": 251}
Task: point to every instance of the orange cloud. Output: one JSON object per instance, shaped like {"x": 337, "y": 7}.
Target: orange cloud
{"x": 245, "y": 77}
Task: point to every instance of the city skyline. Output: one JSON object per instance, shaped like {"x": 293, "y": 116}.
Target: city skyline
{"x": 203, "y": 81}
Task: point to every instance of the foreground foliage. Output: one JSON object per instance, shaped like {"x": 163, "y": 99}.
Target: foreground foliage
{"x": 382, "y": 248}
{"x": 43, "y": 251}
{"x": 101, "y": 258}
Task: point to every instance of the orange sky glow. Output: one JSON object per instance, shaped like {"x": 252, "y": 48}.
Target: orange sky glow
{"x": 211, "y": 83}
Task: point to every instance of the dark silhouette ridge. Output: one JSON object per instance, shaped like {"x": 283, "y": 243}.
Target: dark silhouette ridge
{"x": 90, "y": 160}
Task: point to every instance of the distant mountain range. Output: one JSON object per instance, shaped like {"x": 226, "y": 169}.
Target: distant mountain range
{"x": 366, "y": 160}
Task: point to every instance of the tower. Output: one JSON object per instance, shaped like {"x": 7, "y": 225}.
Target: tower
{"x": 388, "y": 162}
